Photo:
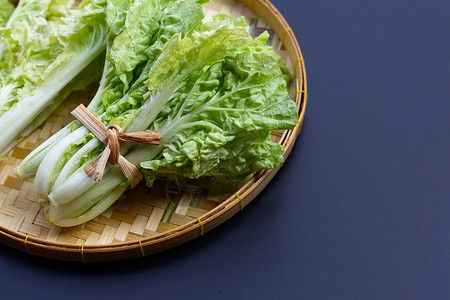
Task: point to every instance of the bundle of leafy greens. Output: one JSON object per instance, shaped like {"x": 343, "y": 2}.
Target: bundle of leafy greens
{"x": 136, "y": 33}
{"x": 44, "y": 47}
{"x": 6, "y": 9}
{"x": 60, "y": 176}
{"x": 214, "y": 93}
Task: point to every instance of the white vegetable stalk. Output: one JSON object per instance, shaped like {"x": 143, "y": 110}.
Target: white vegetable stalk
{"x": 81, "y": 191}
{"x": 68, "y": 215}
{"x": 29, "y": 166}
{"x": 94, "y": 200}
{"x": 24, "y": 109}
{"x": 64, "y": 192}
{"x": 31, "y": 127}
{"x": 69, "y": 188}
{"x": 42, "y": 183}
{"x": 16, "y": 119}
{"x": 74, "y": 197}
{"x": 73, "y": 212}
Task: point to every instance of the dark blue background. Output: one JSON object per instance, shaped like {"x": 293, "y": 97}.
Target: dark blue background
{"x": 361, "y": 209}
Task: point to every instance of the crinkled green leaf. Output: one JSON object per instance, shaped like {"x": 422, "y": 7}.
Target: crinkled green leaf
{"x": 180, "y": 57}
{"x": 220, "y": 121}
{"x": 177, "y": 17}
{"x": 6, "y": 9}
{"x": 21, "y": 29}
{"x": 43, "y": 47}
{"x": 215, "y": 94}
{"x": 133, "y": 58}
{"x": 51, "y": 47}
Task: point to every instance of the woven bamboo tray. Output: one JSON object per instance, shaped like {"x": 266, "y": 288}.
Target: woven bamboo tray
{"x": 148, "y": 220}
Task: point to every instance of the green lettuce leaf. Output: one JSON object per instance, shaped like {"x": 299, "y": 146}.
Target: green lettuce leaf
{"x": 21, "y": 29}
{"x": 220, "y": 122}
{"x": 179, "y": 58}
{"x": 213, "y": 92}
{"x": 6, "y": 9}
{"x": 42, "y": 53}
{"x": 115, "y": 94}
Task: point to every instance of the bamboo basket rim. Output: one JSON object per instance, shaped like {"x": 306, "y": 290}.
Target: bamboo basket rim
{"x": 237, "y": 202}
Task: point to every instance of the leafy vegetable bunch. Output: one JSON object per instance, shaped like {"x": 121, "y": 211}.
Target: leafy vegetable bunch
{"x": 213, "y": 92}
{"x": 44, "y": 46}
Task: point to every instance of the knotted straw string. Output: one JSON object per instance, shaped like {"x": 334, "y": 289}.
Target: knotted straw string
{"x": 110, "y": 136}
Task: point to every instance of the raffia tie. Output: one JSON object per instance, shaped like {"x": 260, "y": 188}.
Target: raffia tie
{"x": 110, "y": 137}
